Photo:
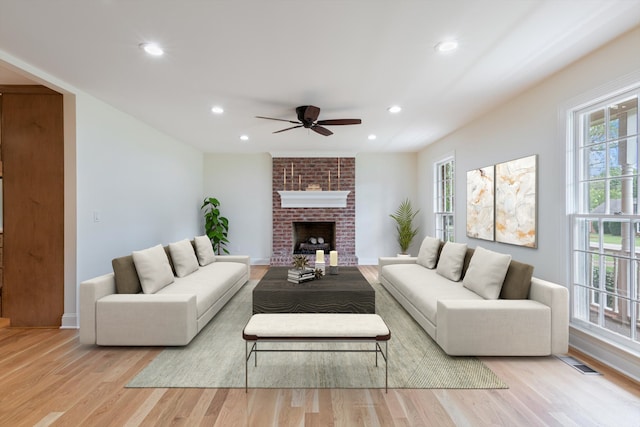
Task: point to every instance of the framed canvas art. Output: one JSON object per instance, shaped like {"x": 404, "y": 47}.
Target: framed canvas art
{"x": 515, "y": 198}
{"x": 480, "y": 203}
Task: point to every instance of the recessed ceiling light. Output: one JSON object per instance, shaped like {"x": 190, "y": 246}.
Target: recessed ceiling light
{"x": 244, "y": 137}
{"x": 447, "y": 46}
{"x": 152, "y": 49}
{"x": 394, "y": 109}
{"x": 217, "y": 110}
{"x": 372, "y": 137}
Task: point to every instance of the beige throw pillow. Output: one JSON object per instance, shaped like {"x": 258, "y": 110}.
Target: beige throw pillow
{"x": 204, "y": 250}
{"x": 486, "y": 273}
{"x": 184, "y": 258}
{"x": 153, "y": 269}
{"x": 451, "y": 260}
{"x": 428, "y": 255}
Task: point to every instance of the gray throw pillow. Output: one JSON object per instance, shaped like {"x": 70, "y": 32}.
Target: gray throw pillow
{"x": 517, "y": 281}
{"x": 428, "y": 255}
{"x": 124, "y": 270}
{"x": 451, "y": 260}
{"x": 486, "y": 273}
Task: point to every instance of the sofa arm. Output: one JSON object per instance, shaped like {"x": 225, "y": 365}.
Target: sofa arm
{"x": 244, "y": 259}
{"x": 555, "y": 297}
{"x": 91, "y": 291}
{"x": 146, "y": 319}
{"x": 493, "y": 327}
{"x": 382, "y": 261}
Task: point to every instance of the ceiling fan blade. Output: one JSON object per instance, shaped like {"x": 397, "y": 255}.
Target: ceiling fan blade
{"x": 321, "y": 130}
{"x": 292, "y": 127}
{"x": 339, "y": 122}
{"x": 280, "y": 120}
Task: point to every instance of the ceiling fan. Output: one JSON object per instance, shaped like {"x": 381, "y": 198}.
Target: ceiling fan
{"x": 308, "y": 118}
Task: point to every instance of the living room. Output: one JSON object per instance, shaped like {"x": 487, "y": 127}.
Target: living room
{"x": 129, "y": 186}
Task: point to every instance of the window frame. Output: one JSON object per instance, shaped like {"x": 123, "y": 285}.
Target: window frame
{"x": 443, "y": 203}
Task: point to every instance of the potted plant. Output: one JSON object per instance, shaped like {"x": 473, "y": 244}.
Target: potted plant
{"x": 404, "y": 217}
{"x": 215, "y": 225}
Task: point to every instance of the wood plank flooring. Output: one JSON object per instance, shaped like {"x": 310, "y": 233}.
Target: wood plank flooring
{"x": 48, "y": 378}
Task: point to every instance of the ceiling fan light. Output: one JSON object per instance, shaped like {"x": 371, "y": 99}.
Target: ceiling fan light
{"x": 152, "y": 49}
{"x": 394, "y": 109}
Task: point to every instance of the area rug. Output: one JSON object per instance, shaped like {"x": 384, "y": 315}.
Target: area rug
{"x": 215, "y": 358}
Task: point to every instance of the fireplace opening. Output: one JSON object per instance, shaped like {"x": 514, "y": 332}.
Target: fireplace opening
{"x": 309, "y": 237}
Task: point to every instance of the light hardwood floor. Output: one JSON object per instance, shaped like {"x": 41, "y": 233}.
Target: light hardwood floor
{"x": 48, "y": 378}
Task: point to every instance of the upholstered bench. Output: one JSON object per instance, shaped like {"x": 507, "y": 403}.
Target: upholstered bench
{"x": 309, "y": 327}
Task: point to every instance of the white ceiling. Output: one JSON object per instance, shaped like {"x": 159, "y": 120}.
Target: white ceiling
{"x": 351, "y": 58}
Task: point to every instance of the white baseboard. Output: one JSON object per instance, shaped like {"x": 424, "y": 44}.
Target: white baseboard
{"x": 69, "y": 321}
{"x": 260, "y": 261}
{"x": 606, "y": 353}
{"x": 367, "y": 261}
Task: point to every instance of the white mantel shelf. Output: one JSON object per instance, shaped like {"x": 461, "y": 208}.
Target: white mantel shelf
{"x": 313, "y": 199}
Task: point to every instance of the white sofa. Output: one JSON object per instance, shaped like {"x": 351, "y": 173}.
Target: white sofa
{"x": 170, "y": 316}
{"x": 464, "y": 323}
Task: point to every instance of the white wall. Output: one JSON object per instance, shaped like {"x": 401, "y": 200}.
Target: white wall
{"x": 533, "y": 123}
{"x": 144, "y": 186}
{"x": 242, "y": 185}
{"x": 383, "y": 181}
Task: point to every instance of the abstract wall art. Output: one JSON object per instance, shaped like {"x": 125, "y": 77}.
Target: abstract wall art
{"x": 480, "y": 203}
{"x": 515, "y": 202}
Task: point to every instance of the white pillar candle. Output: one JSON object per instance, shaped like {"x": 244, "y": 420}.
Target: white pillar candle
{"x": 333, "y": 258}
{"x": 319, "y": 255}
{"x": 285, "y": 179}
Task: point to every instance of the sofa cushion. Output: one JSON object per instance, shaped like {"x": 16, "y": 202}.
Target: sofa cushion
{"x": 486, "y": 273}
{"x": 204, "y": 250}
{"x": 184, "y": 258}
{"x": 126, "y": 276}
{"x": 424, "y": 287}
{"x": 517, "y": 281}
{"x": 208, "y": 283}
{"x": 153, "y": 269}
{"x": 429, "y": 250}
{"x": 451, "y": 260}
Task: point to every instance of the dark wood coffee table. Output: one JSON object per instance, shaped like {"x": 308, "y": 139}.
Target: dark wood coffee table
{"x": 346, "y": 292}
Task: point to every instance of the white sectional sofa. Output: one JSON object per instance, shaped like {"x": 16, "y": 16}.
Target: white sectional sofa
{"x": 159, "y": 296}
{"x": 479, "y": 310}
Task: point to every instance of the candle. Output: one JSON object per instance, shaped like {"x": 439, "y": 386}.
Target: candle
{"x": 319, "y": 255}
{"x": 329, "y": 180}
{"x": 338, "y": 173}
{"x": 299, "y": 182}
{"x": 285, "y": 179}
{"x": 333, "y": 258}
{"x": 292, "y": 172}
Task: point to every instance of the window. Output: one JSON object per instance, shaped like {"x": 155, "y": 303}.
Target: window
{"x": 444, "y": 199}
{"x": 605, "y": 247}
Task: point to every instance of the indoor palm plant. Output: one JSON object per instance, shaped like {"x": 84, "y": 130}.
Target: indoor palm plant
{"x": 404, "y": 217}
{"x": 216, "y": 226}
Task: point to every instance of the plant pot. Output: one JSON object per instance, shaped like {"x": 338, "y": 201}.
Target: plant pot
{"x": 403, "y": 255}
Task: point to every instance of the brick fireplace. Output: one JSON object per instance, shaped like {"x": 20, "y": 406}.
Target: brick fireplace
{"x": 308, "y": 171}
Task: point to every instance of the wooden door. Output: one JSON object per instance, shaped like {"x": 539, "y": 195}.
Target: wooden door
{"x": 33, "y": 163}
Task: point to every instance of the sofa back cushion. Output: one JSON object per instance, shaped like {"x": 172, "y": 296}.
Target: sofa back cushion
{"x": 452, "y": 260}
{"x": 126, "y": 276}
{"x": 486, "y": 273}
{"x": 204, "y": 250}
{"x": 517, "y": 282}
{"x": 183, "y": 257}
{"x": 429, "y": 252}
{"x": 153, "y": 269}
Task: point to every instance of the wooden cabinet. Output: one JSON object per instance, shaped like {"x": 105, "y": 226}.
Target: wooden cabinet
{"x": 33, "y": 205}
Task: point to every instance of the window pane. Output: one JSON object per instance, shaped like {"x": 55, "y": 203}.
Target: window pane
{"x": 595, "y": 161}
{"x": 595, "y": 127}
{"x": 595, "y": 197}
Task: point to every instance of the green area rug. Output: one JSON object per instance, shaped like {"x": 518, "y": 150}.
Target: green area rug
{"x": 215, "y": 358}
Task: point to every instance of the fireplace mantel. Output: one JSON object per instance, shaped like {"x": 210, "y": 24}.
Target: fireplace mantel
{"x": 313, "y": 199}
